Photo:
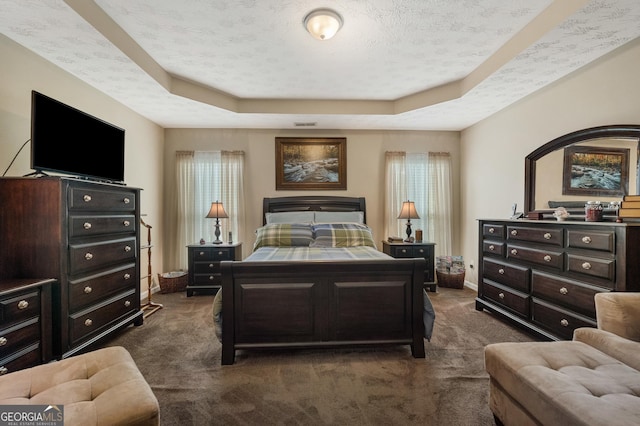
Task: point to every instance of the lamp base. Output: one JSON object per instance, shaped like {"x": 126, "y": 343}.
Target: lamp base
{"x": 217, "y": 233}
{"x": 409, "y": 239}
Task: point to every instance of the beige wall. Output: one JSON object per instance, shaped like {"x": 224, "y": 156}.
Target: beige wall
{"x": 365, "y": 166}
{"x": 493, "y": 151}
{"x": 22, "y": 71}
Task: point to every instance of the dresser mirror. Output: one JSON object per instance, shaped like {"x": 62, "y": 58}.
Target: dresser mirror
{"x": 544, "y": 167}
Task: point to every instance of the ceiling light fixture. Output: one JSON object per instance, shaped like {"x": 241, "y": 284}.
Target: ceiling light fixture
{"x": 323, "y": 23}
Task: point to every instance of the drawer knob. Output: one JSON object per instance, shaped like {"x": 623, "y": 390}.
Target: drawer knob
{"x": 404, "y": 250}
{"x": 127, "y": 249}
{"x": 220, "y": 253}
{"x": 501, "y": 295}
{"x": 547, "y": 236}
{"x": 86, "y": 198}
{"x": 201, "y": 253}
{"x": 88, "y": 256}
{"x": 87, "y": 290}
{"x": 127, "y": 303}
{"x": 3, "y": 370}
{"x": 87, "y": 225}
{"x": 586, "y": 239}
{"x": 564, "y": 322}
{"x": 492, "y": 230}
{"x": 211, "y": 278}
{"x": 514, "y": 252}
{"x": 421, "y": 251}
{"x": 563, "y": 290}
{"x": 23, "y": 304}
{"x": 501, "y": 271}
{"x": 88, "y": 322}
{"x": 514, "y": 232}
{"x": 126, "y": 223}
{"x": 126, "y": 200}
{"x": 211, "y": 265}
{"x": 586, "y": 265}
{"x": 547, "y": 258}
{"x": 3, "y": 341}
{"x": 127, "y": 276}
{"x": 492, "y": 247}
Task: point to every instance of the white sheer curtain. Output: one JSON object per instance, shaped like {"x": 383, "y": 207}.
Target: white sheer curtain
{"x": 202, "y": 178}
{"x": 425, "y": 179}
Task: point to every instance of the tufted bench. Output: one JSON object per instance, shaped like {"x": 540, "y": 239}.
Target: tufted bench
{"x": 592, "y": 380}
{"x": 103, "y": 387}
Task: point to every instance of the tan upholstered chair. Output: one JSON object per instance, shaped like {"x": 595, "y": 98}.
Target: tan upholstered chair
{"x": 592, "y": 380}
{"x": 103, "y": 387}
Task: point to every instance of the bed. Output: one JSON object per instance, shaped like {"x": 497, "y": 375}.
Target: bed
{"x": 329, "y": 288}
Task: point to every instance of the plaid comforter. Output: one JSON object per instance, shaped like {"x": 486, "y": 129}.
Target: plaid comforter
{"x": 316, "y": 253}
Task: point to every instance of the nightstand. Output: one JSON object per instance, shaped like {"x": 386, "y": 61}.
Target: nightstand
{"x": 413, "y": 250}
{"x": 204, "y": 264}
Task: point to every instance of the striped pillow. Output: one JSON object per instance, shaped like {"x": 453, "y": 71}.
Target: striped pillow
{"x": 342, "y": 235}
{"x": 284, "y": 234}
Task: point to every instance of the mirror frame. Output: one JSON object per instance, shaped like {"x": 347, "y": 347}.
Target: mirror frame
{"x": 614, "y": 131}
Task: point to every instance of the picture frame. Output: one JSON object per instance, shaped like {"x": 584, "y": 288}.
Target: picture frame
{"x": 311, "y": 163}
{"x": 596, "y": 171}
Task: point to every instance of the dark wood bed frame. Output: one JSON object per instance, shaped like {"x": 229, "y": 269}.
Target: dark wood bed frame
{"x": 309, "y": 304}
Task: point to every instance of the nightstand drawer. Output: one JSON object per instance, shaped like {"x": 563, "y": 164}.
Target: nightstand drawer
{"x": 217, "y": 254}
{"x": 19, "y": 307}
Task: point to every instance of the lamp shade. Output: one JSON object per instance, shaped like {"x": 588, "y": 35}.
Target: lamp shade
{"x": 408, "y": 211}
{"x": 323, "y": 23}
{"x": 217, "y": 210}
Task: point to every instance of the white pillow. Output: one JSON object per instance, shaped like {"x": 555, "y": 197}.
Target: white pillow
{"x": 339, "y": 217}
{"x": 289, "y": 217}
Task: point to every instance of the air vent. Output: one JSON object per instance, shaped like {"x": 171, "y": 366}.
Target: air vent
{"x": 307, "y": 124}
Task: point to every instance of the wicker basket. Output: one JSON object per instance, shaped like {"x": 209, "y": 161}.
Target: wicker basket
{"x": 450, "y": 280}
{"x": 171, "y": 282}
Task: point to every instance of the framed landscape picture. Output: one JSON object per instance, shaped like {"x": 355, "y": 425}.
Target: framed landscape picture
{"x": 595, "y": 171}
{"x": 311, "y": 163}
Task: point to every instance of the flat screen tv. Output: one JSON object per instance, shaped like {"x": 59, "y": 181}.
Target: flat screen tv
{"x": 68, "y": 141}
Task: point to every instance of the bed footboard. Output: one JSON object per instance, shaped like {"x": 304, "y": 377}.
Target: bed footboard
{"x": 306, "y": 304}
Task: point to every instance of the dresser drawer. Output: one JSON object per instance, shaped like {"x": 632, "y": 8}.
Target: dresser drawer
{"x": 210, "y": 253}
{"x": 510, "y": 299}
{"x": 86, "y": 257}
{"x": 493, "y": 231}
{"x": 19, "y": 336}
{"x": 82, "y": 324}
{"x": 88, "y": 290}
{"x": 591, "y": 266}
{"x": 513, "y": 276}
{"x": 551, "y": 236}
{"x": 587, "y": 239}
{"x": 557, "y": 320}
{"x": 552, "y": 259}
{"x": 82, "y": 226}
{"x": 493, "y": 247}
{"x": 19, "y": 307}
{"x": 25, "y": 358}
{"x": 104, "y": 200}
{"x": 576, "y": 296}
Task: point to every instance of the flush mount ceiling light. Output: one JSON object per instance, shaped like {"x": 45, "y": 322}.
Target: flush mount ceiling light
{"x": 323, "y": 23}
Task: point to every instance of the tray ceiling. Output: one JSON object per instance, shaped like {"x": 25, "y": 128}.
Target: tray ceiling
{"x": 395, "y": 64}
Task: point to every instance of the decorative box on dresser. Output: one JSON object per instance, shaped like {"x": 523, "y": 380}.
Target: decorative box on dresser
{"x": 204, "y": 264}
{"x": 85, "y": 235}
{"x": 25, "y": 323}
{"x": 415, "y": 250}
{"x": 543, "y": 275}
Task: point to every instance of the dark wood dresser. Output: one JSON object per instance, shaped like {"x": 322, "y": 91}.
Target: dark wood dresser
{"x": 543, "y": 275}
{"x": 415, "y": 250}
{"x": 204, "y": 265}
{"x": 25, "y": 323}
{"x": 85, "y": 235}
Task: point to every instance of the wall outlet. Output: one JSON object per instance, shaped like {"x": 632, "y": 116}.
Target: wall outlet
{"x": 471, "y": 264}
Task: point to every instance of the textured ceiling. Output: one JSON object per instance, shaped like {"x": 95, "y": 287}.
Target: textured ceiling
{"x": 395, "y": 64}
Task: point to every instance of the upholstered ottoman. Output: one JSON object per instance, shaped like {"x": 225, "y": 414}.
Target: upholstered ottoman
{"x": 560, "y": 383}
{"x": 103, "y": 387}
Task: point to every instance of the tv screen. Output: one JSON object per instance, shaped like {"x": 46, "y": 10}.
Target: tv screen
{"x": 68, "y": 141}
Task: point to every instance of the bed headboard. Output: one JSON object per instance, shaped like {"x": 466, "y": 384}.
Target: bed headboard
{"x": 327, "y": 203}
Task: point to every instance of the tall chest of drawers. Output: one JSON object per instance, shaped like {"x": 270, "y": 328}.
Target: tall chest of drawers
{"x": 85, "y": 235}
{"x": 543, "y": 275}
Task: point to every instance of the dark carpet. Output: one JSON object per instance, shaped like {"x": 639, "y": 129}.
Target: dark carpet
{"x": 177, "y": 352}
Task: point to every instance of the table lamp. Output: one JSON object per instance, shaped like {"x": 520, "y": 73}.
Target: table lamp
{"x": 217, "y": 211}
{"x": 408, "y": 212}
